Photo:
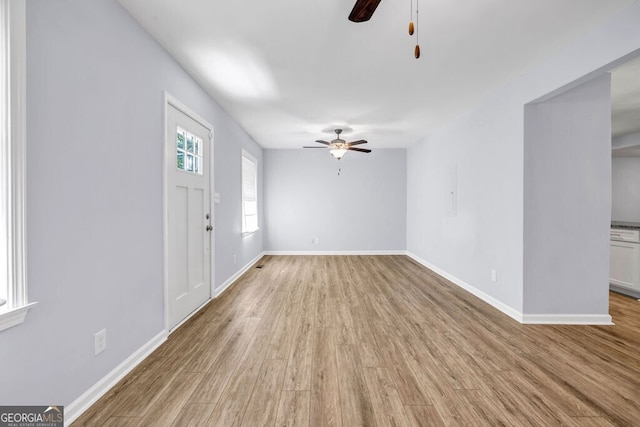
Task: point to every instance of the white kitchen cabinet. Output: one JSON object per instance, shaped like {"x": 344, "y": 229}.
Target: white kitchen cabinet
{"x": 624, "y": 259}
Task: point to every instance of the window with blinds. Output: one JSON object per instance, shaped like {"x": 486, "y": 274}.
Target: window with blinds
{"x": 249, "y": 193}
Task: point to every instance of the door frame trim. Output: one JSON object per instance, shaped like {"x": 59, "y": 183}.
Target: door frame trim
{"x": 171, "y": 101}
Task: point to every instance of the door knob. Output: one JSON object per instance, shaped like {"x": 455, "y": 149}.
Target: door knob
{"x": 208, "y": 228}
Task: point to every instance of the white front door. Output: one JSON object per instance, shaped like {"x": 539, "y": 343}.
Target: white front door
{"x": 188, "y": 145}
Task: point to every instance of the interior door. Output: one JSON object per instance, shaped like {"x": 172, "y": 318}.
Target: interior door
{"x": 188, "y": 216}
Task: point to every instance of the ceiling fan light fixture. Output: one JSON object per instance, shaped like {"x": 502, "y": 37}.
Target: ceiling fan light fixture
{"x": 338, "y": 152}
{"x": 338, "y": 147}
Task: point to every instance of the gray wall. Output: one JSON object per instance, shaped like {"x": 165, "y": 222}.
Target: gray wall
{"x": 567, "y": 198}
{"x": 362, "y": 209}
{"x": 487, "y": 145}
{"x": 484, "y": 234}
{"x": 625, "y": 185}
{"x": 95, "y": 84}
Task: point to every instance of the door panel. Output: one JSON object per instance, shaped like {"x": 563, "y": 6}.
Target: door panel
{"x": 197, "y": 223}
{"x": 179, "y": 257}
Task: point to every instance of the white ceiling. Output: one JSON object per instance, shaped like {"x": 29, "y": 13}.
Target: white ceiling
{"x": 289, "y": 71}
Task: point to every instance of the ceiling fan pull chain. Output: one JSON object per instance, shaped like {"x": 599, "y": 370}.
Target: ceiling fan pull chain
{"x": 411, "y": 20}
{"x": 416, "y": 52}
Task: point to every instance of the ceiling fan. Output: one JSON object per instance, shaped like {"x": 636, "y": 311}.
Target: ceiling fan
{"x": 339, "y": 146}
{"x": 363, "y": 10}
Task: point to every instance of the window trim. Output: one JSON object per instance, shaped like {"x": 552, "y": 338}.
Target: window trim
{"x": 250, "y": 157}
{"x": 13, "y": 147}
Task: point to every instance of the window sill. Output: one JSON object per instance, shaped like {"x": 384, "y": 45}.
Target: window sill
{"x": 248, "y": 233}
{"x": 14, "y": 317}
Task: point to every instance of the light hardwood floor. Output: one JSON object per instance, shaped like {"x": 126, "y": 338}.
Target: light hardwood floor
{"x": 376, "y": 340}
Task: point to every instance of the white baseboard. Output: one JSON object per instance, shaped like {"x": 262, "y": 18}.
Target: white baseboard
{"x": 538, "y": 319}
{"x": 219, "y": 290}
{"x": 91, "y": 396}
{"x": 567, "y": 319}
{"x": 624, "y": 290}
{"x": 509, "y": 311}
{"x": 335, "y": 252}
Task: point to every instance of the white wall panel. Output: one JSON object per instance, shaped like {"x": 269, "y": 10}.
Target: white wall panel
{"x": 625, "y": 186}
{"x": 567, "y": 199}
{"x": 362, "y": 209}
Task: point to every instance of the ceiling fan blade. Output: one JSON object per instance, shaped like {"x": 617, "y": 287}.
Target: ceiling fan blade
{"x": 363, "y": 10}
{"x": 315, "y": 146}
{"x": 323, "y": 142}
{"x": 362, "y": 150}
{"x": 361, "y": 141}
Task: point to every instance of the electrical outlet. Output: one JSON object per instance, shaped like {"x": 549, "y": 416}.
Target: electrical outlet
{"x": 316, "y": 241}
{"x": 100, "y": 341}
{"x": 235, "y": 259}
{"x": 494, "y": 276}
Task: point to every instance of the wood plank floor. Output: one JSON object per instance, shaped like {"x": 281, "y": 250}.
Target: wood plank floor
{"x": 376, "y": 340}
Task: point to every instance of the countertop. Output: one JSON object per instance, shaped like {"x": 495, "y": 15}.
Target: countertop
{"x": 626, "y": 225}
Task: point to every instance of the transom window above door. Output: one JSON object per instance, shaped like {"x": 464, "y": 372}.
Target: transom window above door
{"x": 188, "y": 151}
